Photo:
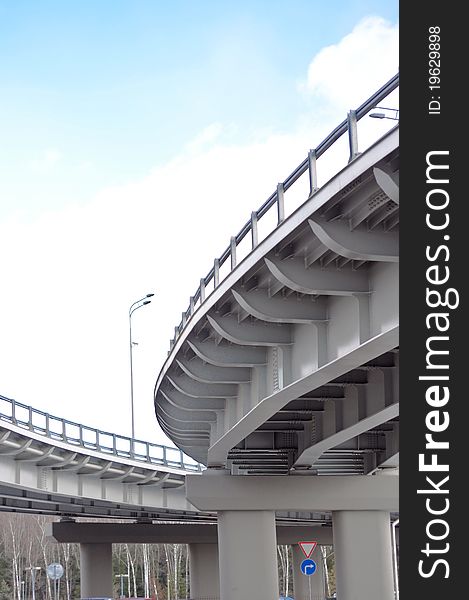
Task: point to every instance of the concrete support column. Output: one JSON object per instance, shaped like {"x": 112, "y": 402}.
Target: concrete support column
{"x": 247, "y": 547}
{"x": 204, "y": 573}
{"x": 96, "y": 570}
{"x": 363, "y": 554}
{"x": 308, "y": 587}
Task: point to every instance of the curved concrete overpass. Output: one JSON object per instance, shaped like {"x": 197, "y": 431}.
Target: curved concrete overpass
{"x": 291, "y": 361}
{"x": 53, "y": 466}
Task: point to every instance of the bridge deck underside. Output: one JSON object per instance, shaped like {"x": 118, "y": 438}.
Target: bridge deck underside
{"x": 40, "y": 476}
{"x": 292, "y": 362}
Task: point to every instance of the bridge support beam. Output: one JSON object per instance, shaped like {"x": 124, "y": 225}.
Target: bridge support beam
{"x": 362, "y": 541}
{"x": 96, "y": 570}
{"x": 308, "y": 587}
{"x": 246, "y": 508}
{"x": 220, "y": 491}
{"x": 204, "y": 572}
{"x": 247, "y": 554}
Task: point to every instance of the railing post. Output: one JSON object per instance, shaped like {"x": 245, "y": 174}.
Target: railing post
{"x": 97, "y": 432}
{"x": 184, "y": 319}
{"x": 352, "y": 134}
{"x": 216, "y": 272}
{"x": 191, "y": 305}
{"x": 233, "y": 251}
{"x": 313, "y": 174}
{"x": 254, "y": 236}
{"x": 280, "y": 203}
{"x": 202, "y": 290}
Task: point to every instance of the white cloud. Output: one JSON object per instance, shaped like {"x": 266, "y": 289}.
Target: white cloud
{"x": 72, "y": 274}
{"x": 206, "y": 137}
{"x": 346, "y": 73}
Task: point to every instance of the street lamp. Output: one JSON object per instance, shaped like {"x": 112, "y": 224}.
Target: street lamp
{"x": 133, "y": 307}
{"x": 380, "y": 115}
{"x": 122, "y": 575}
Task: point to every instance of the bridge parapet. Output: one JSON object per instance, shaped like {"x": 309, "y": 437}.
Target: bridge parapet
{"x": 77, "y": 435}
{"x": 276, "y": 201}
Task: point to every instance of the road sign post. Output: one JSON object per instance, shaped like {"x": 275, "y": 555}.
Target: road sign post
{"x": 308, "y": 566}
{"x": 55, "y": 571}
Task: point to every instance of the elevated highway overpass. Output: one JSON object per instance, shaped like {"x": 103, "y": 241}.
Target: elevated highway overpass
{"x": 50, "y": 465}
{"x": 292, "y": 361}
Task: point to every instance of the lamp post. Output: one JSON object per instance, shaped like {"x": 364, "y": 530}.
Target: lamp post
{"x": 380, "y": 115}
{"x": 133, "y": 307}
{"x": 394, "y": 556}
{"x": 122, "y": 575}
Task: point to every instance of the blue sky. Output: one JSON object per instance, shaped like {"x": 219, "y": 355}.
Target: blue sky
{"x": 115, "y": 87}
{"x": 136, "y": 137}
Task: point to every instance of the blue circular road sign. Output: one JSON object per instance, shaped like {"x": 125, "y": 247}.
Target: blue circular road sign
{"x": 308, "y": 567}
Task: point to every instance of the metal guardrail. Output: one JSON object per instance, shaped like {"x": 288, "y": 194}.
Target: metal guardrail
{"x": 349, "y": 125}
{"x": 104, "y": 442}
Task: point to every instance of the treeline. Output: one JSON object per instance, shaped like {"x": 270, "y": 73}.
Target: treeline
{"x": 158, "y": 571}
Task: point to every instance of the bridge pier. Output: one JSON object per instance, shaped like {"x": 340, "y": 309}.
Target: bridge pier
{"x": 204, "y": 572}
{"x": 247, "y": 537}
{"x": 308, "y": 587}
{"x": 96, "y": 570}
{"x": 246, "y": 506}
{"x": 363, "y": 554}
{"x": 247, "y": 554}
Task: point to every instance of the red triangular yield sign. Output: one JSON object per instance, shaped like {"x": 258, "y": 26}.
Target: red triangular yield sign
{"x": 307, "y": 548}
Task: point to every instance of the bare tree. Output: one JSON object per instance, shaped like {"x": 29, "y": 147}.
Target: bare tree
{"x": 42, "y": 546}
{"x": 67, "y": 567}
{"x": 15, "y": 548}
{"x": 187, "y": 578}
{"x": 155, "y": 560}
{"x": 146, "y": 570}
{"x": 329, "y": 568}
{"x": 131, "y": 571}
{"x": 24, "y": 544}
{"x": 284, "y": 567}
{"x": 174, "y": 553}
